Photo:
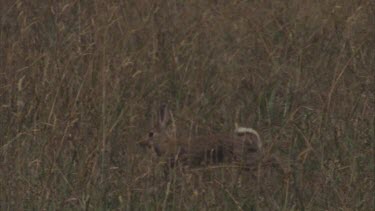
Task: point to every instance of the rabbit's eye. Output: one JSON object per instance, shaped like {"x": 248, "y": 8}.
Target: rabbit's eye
{"x": 150, "y": 134}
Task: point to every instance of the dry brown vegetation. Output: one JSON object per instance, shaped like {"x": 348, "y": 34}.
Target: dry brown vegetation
{"x": 80, "y": 81}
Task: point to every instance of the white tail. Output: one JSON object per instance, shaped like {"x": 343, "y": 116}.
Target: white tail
{"x": 241, "y": 131}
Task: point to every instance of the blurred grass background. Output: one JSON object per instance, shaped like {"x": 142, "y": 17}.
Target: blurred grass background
{"x": 81, "y": 80}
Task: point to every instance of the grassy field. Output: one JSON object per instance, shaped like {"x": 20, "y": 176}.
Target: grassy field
{"x": 80, "y": 82}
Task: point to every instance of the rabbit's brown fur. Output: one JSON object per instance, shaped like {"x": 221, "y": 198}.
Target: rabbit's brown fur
{"x": 244, "y": 147}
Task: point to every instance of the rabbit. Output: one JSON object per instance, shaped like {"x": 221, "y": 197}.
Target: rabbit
{"x": 244, "y": 147}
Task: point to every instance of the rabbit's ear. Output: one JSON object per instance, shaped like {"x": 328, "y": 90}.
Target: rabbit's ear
{"x": 163, "y": 116}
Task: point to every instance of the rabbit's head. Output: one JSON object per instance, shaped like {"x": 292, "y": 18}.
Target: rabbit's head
{"x": 157, "y": 137}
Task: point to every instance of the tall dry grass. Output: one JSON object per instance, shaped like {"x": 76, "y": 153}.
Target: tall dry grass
{"x": 81, "y": 80}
